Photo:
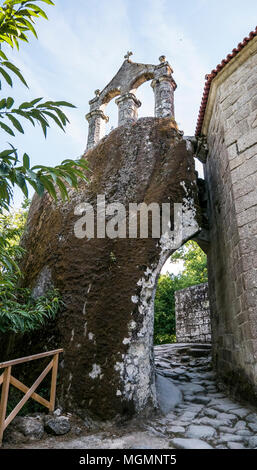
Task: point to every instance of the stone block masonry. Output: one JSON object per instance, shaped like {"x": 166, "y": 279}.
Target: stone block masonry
{"x": 193, "y": 323}
{"x": 231, "y": 174}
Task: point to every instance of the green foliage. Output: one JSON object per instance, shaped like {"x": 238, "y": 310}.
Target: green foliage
{"x": 194, "y": 272}
{"x": 17, "y": 20}
{"x": 19, "y": 311}
{"x": 11, "y": 228}
{"x": 195, "y": 263}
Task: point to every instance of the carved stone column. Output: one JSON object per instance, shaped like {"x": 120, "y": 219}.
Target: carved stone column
{"x": 96, "y": 130}
{"x": 128, "y": 105}
{"x": 96, "y": 121}
{"x": 164, "y": 86}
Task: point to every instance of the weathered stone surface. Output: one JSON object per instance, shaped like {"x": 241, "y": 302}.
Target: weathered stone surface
{"x": 200, "y": 431}
{"x": 252, "y": 442}
{"x": 168, "y": 394}
{"x": 193, "y": 321}
{"x": 181, "y": 443}
{"x": 57, "y": 426}
{"x": 30, "y": 427}
{"x": 107, "y": 285}
{"x": 235, "y": 445}
{"x": 201, "y": 399}
{"x": 176, "y": 429}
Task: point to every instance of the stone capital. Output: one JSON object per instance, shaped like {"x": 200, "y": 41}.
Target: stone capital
{"x": 128, "y": 96}
{"x": 167, "y": 78}
{"x": 97, "y": 113}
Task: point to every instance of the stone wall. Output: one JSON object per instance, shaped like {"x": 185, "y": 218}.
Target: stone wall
{"x": 193, "y": 323}
{"x": 231, "y": 173}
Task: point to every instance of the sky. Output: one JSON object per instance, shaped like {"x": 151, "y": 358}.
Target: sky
{"x": 83, "y": 45}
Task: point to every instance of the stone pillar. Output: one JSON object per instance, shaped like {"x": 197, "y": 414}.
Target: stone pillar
{"x": 164, "y": 86}
{"x": 96, "y": 120}
{"x": 128, "y": 105}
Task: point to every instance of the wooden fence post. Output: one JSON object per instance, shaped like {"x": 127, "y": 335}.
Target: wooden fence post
{"x": 4, "y": 399}
{"x": 53, "y": 382}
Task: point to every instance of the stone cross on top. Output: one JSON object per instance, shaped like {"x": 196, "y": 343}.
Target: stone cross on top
{"x": 127, "y": 56}
{"x": 124, "y": 85}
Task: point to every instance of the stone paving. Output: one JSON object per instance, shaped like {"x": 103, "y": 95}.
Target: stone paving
{"x": 200, "y": 416}
{"x": 194, "y": 414}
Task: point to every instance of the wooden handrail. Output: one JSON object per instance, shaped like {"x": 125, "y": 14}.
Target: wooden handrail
{"x": 29, "y": 358}
{"x": 6, "y": 379}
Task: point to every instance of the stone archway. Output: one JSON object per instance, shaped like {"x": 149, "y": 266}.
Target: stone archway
{"x": 108, "y": 285}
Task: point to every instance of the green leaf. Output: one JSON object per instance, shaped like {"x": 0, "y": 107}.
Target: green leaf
{"x": 6, "y": 153}
{"x": 24, "y": 114}
{"x": 30, "y": 27}
{"x": 38, "y": 10}
{"x": 3, "y": 103}
{"x": 37, "y": 185}
{"x": 3, "y": 55}
{"x": 20, "y": 179}
{"x": 9, "y": 102}
{"x": 6, "y": 128}
{"x": 55, "y": 119}
{"x": 25, "y": 105}
{"x": 64, "y": 103}
{"x": 33, "y": 102}
{"x": 6, "y": 76}
{"x": 62, "y": 116}
{"x": 15, "y": 70}
{"x": 48, "y": 185}
{"x": 26, "y": 161}
{"x": 32, "y": 175}
{"x": 62, "y": 188}
{"x": 15, "y": 122}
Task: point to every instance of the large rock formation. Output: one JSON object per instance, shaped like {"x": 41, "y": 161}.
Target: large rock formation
{"x": 108, "y": 285}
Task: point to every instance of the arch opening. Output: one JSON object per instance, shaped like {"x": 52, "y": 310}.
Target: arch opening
{"x": 146, "y": 96}
{"x": 184, "y": 277}
{"x": 111, "y": 111}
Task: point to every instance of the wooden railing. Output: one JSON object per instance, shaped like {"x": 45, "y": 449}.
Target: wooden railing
{"x": 6, "y": 379}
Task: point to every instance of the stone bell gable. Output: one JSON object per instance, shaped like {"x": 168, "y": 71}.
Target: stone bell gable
{"x": 124, "y": 85}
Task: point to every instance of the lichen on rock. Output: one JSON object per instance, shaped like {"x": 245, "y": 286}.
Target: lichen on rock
{"x": 109, "y": 300}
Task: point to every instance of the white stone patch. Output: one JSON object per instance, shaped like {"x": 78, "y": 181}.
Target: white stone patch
{"x": 118, "y": 393}
{"x": 137, "y": 369}
{"x": 85, "y": 329}
{"x": 96, "y": 371}
{"x": 119, "y": 366}
{"x": 91, "y": 336}
{"x": 69, "y": 381}
{"x": 72, "y": 335}
{"x": 134, "y": 299}
{"x": 132, "y": 325}
{"x": 126, "y": 341}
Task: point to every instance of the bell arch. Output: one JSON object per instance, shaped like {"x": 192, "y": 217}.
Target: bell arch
{"x": 123, "y": 87}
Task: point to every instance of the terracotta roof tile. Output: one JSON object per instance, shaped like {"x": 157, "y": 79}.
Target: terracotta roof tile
{"x": 209, "y": 77}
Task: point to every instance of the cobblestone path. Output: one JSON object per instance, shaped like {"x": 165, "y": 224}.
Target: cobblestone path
{"x": 203, "y": 417}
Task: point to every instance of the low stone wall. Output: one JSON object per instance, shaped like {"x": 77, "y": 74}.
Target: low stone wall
{"x": 193, "y": 324}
